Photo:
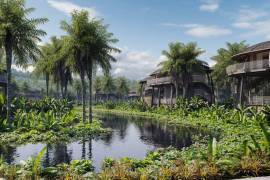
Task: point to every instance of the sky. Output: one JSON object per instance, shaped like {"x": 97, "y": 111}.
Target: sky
{"x": 146, "y": 27}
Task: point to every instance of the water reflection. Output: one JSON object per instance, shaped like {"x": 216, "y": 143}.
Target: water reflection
{"x": 132, "y": 137}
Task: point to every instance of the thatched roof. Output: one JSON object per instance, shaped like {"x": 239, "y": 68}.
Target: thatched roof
{"x": 255, "y": 48}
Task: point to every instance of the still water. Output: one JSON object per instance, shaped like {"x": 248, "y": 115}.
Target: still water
{"x": 131, "y": 136}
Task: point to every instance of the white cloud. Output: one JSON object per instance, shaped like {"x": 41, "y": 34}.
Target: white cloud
{"x": 254, "y": 21}
{"x": 204, "y": 31}
{"x": 68, "y": 7}
{"x": 134, "y": 64}
{"x": 201, "y": 30}
{"x": 209, "y": 5}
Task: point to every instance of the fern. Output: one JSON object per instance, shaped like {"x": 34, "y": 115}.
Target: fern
{"x": 37, "y": 161}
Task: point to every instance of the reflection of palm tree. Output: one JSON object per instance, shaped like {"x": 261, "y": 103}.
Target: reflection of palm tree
{"x": 61, "y": 154}
{"x": 46, "y": 161}
{"x": 8, "y": 153}
{"x": 118, "y": 123}
{"x": 83, "y": 148}
{"x": 90, "y": 148}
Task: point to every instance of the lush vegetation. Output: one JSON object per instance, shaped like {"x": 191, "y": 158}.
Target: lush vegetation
{"x": 242, "y": 147}
{"x": 48, "y": 120}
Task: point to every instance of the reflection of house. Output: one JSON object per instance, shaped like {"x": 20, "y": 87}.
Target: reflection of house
{"x": 159, "y": 89}
{"x": 251, "y": 75}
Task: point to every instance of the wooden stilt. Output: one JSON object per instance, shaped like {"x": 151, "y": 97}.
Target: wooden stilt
{"x": 241, "y": 89}
{"x": 152, "y": 100}
{"x": 171, "y": 96}
{"x": 158, "y": 95}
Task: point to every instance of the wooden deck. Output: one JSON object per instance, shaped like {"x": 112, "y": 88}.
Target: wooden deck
{"x": 251, "y": 66}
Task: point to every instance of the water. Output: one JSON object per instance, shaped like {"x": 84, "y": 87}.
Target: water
{"x": 132, "y": 137}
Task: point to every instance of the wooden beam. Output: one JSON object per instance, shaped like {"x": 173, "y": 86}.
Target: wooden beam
{"x": 158, "y": 95}
{"x": 152, "y": 99}
{"x": 171, "y": 96}
{"x": 241, "y": 89}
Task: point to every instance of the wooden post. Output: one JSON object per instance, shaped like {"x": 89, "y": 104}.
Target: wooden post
{"x": 241, "y": 89}
{"x": 152, "y": 100}
{"x": 171, "y": 96}
{"x": 158, "y": 95}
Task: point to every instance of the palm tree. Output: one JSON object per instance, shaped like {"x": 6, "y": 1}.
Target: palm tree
{"x": 78, "y": 88}
{"x": 224, "y": 59}
{"x": 181, "y": 60}
{"x": 75, "y": 45}
{"x": 98, "y": 54}
{"x": 18, "y": 36}
{"x": 43, "y": 65}
{"x": 122, "y": 86}
{"x": 90, "y": 44}
{"x": 108, "y": 85}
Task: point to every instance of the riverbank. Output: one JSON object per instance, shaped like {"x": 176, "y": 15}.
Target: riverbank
{"x": 241, "y": 149}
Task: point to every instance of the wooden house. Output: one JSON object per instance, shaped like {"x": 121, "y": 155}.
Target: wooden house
{"x": 158, "y": 88}
{"x": 251, "y": 75}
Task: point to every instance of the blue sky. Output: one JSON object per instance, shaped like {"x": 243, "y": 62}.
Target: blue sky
{"x": 145, "y": 27}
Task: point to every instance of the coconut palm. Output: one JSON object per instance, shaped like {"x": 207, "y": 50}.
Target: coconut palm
{"x": 76, "y": 43}
{"x": 181, "y": 60}
{"x": 224, "y": 59}
{"x": 43, "y": 65}
{"x": 98, "y": 53}
{"x": 90, "y": 44}
{"x": 18, "y": 36}
{"x": 122, "y": 86}
{"x": 108, "y": 84}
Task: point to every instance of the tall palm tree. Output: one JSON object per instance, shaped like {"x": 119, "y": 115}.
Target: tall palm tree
{"x": 224, "y": 59}
{"x": 90, "y": 44}
{"x": 181, "y": 60}
{"x": 75, "y": 45}
{"x": 43, "y": 65}
{"x": 18, "y": 36}
{"x": 122, "y": 86}
{"x": 108, "y": 84}
{"x": 98, "y": 54}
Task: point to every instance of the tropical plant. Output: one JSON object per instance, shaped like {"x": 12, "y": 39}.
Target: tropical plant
{"x": 43, "y": 65}
{"x": 108, "y": 85}
{"x": 122, "y": 86}
{"x": 181, "y": 61}
{"x": 224, "y": 59}
{"x": 18, "y": 36}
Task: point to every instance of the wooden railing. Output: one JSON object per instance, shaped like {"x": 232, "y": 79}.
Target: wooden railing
{"x": 251, "y": 66}
{"x": 199, "y": 78}
{"x": 168, "y": 79}
{"x": 161, "y": 80}
{"x": 259, "y": 100}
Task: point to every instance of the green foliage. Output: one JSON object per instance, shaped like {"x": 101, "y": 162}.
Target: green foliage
{"x": 48, "y": 120}
{"x": 223, "y": 59}
{"x": 239, "y": 145}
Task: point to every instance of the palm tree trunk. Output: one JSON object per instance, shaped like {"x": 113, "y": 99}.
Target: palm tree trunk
{"x": 47, "y": 78}
{"x": 62, "y": 91}
{"x": 83, "y": 95}
{"x": 185, "y": 84}
{"x": 90, "y": 100}
{"x": 90, "y": 94}
{"x": 65, "y": 90}
{"x": 8, "y": 49}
